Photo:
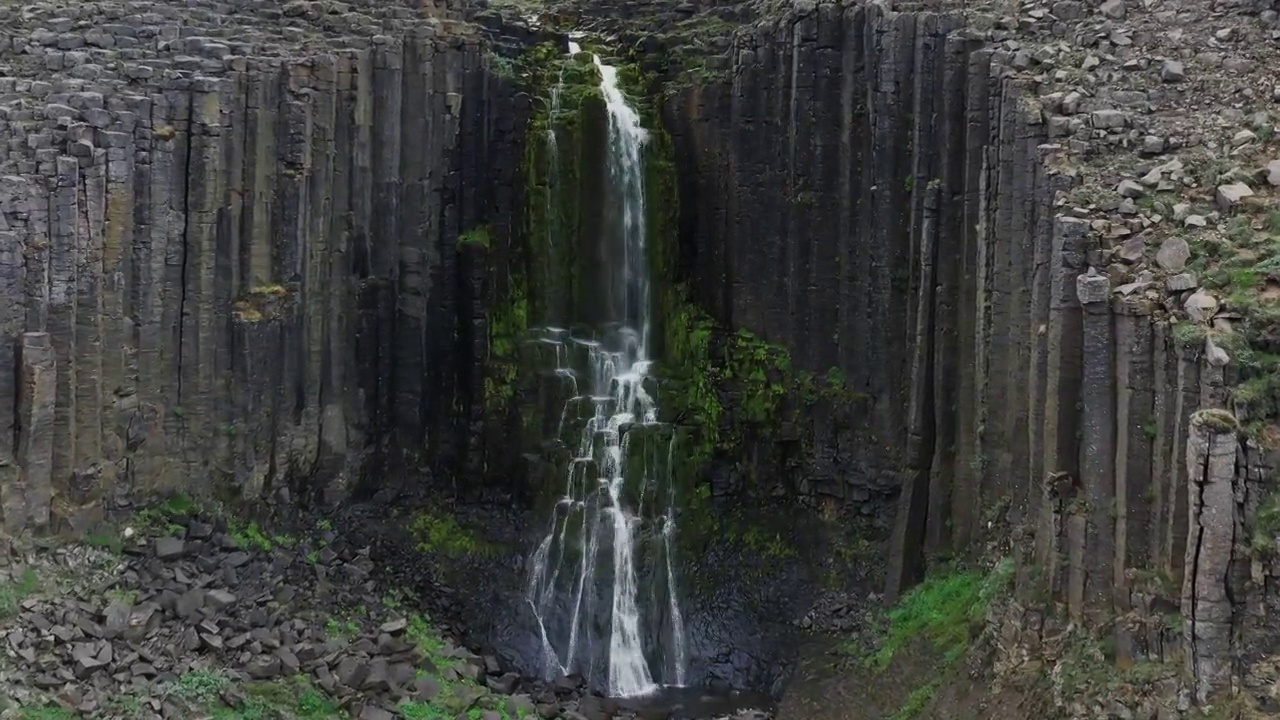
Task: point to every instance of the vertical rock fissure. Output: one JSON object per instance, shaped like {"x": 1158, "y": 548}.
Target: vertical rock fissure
{"x": 186, "y": 248}
{"x": 1191, "y": 572}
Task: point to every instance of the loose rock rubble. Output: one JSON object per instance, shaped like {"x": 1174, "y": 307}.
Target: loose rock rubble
{"x": 201, "y": 617}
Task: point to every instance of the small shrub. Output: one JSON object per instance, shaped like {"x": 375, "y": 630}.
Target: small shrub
{"x": 201, "y": 686}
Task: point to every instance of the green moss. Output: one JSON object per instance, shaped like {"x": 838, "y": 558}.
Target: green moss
{"x": 943, "y": 609}
{"x": 1216, "y": 419}
{"x": 534, "y": 283}
{"x": 475, "y": 237}
{"x": 437, "y": 532}
{"x": 508, "y": 326}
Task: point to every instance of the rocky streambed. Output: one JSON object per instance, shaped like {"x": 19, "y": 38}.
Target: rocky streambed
{"x": 181, "y": 615}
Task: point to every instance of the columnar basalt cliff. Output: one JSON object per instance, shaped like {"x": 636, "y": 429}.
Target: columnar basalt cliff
{"x": 230, "y": 256}
{"x": 895, "y": 196}
{"x": 966, "y": 277}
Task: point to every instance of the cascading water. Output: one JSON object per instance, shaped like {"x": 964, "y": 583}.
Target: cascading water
{"x": 614, "y": 524}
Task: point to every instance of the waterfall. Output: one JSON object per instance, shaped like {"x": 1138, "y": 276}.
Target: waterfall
{"x": 613, "y": 527}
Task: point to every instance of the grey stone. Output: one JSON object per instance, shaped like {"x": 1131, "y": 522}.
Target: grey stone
{"x": 1152, "y": 145}
{"x": 190, "y": 602}
{"x": 218, "y": 600}
{"x": 168, "y": 548}
{"x": 352, "y": 672}
{"x": 1173, "y": 254}
{"x": 1109, "y": 119}
{"x": 1130, "y": 189}
{"x": 1132, "y": 249}
{"x": 1172, "y": 71}
{"x": 1243, "y": 137}
{"x": 1201, "y": 306}
{"x": 1230, "y": 195}
{"x": 1093, "y": 288}
{"x": 1113, "y": 9}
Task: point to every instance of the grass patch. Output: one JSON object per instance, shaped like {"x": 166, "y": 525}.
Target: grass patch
{"x": 943, "y": 609}
{"x": 201, "y": 686}
{"x": 46, "y": 712}
{"x": 341, "y": 628}
{"x": 163, "y": 517}
{"x": 295, "y": 698}
{"x": 13, "y": 593}
{"x": 105, "y": 538}
{"x": 250, "y": 536}
{"x": 917, "y": 701}
{"x": 435, "y": 532}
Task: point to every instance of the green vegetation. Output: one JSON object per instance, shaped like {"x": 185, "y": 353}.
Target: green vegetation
{"x": 295, "y": 699}
{"x": 459, "y": 694}
{"x": 341, "y": 628}
{"x": 944, "y": 609}
{"x": 163, "y": 516}
{"x": 1241, "y": 265}
{"x": 127, "y": 596}
{"x": 917, "y": 701}
{"x": 46, "y": 712}
{"x": 1266, "y": 526}
{"x": 437, "y": 532}
{"x": 251, "y": 537}
{"x": 534, "y": 280}
{"x": 13, "y": 593}
{"x": 1087, "y": 669}
{"x": 202, "y": 686}
{"x": 475, "y": 237}
{"x": 105, "y": 538}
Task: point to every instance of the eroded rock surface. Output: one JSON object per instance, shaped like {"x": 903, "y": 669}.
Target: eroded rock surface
{"x": 228, "y": 253}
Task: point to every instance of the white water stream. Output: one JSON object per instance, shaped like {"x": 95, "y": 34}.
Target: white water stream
{"x": 584, "y": 580}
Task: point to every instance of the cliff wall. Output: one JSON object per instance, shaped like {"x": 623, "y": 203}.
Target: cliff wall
{"x": 899, "y": 197}
{"x": 230, "y": 258}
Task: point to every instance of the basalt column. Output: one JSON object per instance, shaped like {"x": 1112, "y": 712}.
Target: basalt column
{"x": 242, "y": 278}
{"x": 878, "y": 192}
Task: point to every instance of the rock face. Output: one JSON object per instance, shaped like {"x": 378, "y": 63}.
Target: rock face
{"x": 228, "y": 248}
{"x": 884, "y": 193}
{"x": 230, "y": 261}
